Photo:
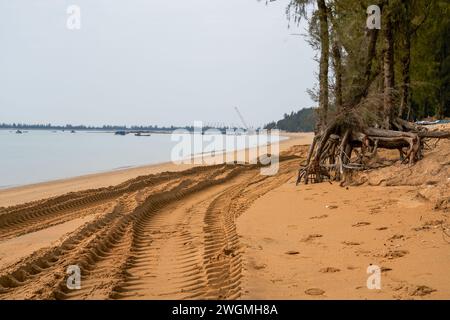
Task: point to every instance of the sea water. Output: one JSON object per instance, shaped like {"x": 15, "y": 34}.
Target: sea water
{"x": 39, "y": 155}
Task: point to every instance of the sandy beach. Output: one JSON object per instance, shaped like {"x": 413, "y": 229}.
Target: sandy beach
{"x": 13, "y": 196}
{"x": 226, "y": 232}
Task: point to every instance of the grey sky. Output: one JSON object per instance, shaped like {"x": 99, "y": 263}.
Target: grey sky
{"x": 151, "y": 62}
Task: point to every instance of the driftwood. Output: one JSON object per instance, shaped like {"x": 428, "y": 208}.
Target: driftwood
{"x": 338, "y": 150}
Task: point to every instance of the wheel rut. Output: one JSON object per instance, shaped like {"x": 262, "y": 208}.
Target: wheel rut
{"x": 169, "y": 236}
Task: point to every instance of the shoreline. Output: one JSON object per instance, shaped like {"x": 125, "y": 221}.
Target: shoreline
{"x": 32, "y": 192}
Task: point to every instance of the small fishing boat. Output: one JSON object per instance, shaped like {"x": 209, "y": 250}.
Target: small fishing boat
{"x": 19, "y": 132}
{"x": 142, "y": 134}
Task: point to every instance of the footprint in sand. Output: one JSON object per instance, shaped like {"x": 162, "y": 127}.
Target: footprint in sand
{"x": 396, "y": 254}
{"x": 320, "y": 217}
{"x": 311, "y": 237}
{"x": 361, "y": 224}
{"x": 268, "y": 240}
{"x": 351, "y": 243}
{"x": 314, "y": 292}
{"x": 329, "y": 270}
{"x": 385, "y": 269}
{"x": 374, "y": 210}
{"x": 258, "y": 266}
{"x": 396, "y": 237}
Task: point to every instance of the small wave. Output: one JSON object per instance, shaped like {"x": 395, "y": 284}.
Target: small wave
{"x": 123, "y": 167}
{"x": 7, "y": 186}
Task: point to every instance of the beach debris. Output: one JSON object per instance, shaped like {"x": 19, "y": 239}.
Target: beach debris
{"x": 314, "y": 292}
{"x": 429, "y": 224}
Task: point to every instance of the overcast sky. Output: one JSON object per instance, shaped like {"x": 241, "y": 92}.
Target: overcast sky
{"x": 151, "y": 62}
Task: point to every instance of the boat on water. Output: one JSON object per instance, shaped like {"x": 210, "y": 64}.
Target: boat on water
{"x": 120, "y": 133}
{"x": 19, "y": 132}
{"x": 142, "y": 134}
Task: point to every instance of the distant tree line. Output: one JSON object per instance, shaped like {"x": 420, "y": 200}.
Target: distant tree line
{"x": 49, "y": 126}
{"x": 300, "y": 121}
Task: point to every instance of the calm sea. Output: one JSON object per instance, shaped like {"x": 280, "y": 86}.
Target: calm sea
{"x": 38, "y": 155}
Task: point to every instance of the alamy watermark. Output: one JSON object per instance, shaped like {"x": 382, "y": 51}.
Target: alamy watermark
{"x": 73, "y": 17}
{"x": 374, "y": 17}
{"x": 374, "y": 280}
{"x": 73, "y": 281}
{"x": 212, "y": 146}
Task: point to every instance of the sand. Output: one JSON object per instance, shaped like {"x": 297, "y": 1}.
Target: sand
{"x": 336, "y": 234}
{"x": 222, "y": 232}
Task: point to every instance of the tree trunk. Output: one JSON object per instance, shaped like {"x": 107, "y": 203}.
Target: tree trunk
{"x": 406, "y": 61}
{"x": 337, "y": 66}
{"x": 324, "y": 57}
{"x": 388, "y": 68}
{"x": 361, "y": 84}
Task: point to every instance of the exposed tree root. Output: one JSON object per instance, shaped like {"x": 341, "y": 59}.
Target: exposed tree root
{"x": 338, "y": 149}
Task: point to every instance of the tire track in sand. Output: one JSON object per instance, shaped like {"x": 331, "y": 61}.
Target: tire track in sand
{"x": 88, "y": 245}
{"x": 190, "y": 249}
{"x": 154, "y": 244}
{"x": 29, "y": 217}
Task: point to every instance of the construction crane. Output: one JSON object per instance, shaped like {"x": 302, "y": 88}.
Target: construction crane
{"x": 242, "y": 118}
